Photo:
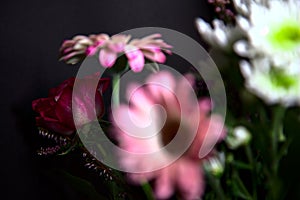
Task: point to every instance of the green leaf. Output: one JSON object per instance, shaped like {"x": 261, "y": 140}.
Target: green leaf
{"x": 80, "y": 185}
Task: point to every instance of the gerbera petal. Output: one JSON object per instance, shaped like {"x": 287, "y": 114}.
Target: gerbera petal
{"x": 137, "y": 64}
{"x": 107, "y": 58}
{"x": 163, "y": 185}
{"x": 91, "y": 50}
{"x": 135, "y": 59}
{"x": 193, "y": 187}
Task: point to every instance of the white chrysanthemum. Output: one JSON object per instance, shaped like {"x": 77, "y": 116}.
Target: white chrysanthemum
{"x": 220, "y": 35}
{"x": 274, "y": 30}
{"x": 272, "y": 84}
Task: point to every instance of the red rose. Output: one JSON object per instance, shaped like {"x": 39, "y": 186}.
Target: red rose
{"x": 56, "y": 112}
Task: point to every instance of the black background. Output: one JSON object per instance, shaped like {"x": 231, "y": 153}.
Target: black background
{"x": 31, "y": 33}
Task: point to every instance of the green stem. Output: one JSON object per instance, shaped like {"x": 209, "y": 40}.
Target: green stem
{"x": 283, "y": 150}
{"x": 148, "y": 190}
{"x": 276, "y": 128}
{"x": 116, "y": 90}
{"x": 253, "y": 171}
{"x": 249, "y": 154}
{"x": 243, "y": 188}
{"x": 242, "y": 165}
{"x": 216, "y": 185}
{"x": 274, "y": 183}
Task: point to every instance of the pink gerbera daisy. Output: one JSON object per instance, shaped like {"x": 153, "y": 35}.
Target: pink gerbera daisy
{"x": 165, "y": 132}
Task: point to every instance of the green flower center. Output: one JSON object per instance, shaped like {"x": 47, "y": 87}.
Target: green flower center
{"x": 282, "y": 80}
{"x": 286, "y": 36}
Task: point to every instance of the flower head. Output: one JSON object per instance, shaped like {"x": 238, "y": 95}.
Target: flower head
{"x": 156, "y": 136}
{"x": 109, "y": 48}
{"x": 277, "y": 33}
{"x": 271, "y": 83}
{"x": 135, "y": 51}
{"x": 56, "y": 111}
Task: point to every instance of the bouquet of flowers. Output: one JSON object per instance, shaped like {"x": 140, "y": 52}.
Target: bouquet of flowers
{"x": 148, "y": 131}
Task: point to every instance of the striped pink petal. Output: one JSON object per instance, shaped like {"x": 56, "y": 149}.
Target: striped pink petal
{"x": 135, "y": 58}
{"x": 107, "y": 58}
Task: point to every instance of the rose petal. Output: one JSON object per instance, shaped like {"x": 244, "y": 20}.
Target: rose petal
{"x": 55, "y": 92}
{"x": 63, "y": 108}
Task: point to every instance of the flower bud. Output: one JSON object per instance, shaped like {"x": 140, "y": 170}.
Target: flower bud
{"x": 237, "y": 137}
{"x": 215, "y": 165}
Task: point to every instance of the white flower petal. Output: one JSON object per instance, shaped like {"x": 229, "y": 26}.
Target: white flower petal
{"x": 242, "y": 48}
{"x": 202, "y": 26}
{"x": 245, "y": 68}
{"x": 241, "y": 7}
{"x": 205, "y": 30}
{"x": 220, "y": 34}
{"x": 243, "y": 23}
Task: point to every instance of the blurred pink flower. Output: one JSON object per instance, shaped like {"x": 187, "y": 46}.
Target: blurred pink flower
{"x": 139, "y": 129}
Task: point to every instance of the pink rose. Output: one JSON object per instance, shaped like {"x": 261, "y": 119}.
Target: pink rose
{"x": 56, "y": 113}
